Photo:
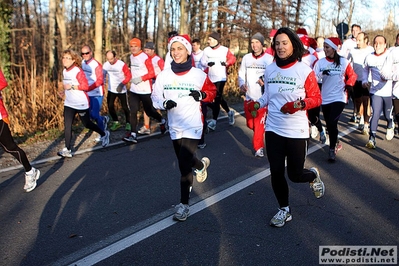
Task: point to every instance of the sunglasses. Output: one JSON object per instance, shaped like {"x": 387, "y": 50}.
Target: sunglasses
{"x": 86, "y": 53}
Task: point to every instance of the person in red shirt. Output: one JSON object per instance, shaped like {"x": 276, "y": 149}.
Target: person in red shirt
{"x": 7, "y": 142}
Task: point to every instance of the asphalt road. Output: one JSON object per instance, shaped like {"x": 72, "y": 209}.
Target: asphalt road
{"x": 114, "y": 206}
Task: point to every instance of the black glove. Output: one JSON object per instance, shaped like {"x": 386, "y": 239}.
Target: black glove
{"x": 120, "y": 87}
{"x": 169, "y": 104}
{"x": 348, "y": 88}
{"x": 211, "y": 64}
{"x": 223, "y": 63}
{"x": 197, "y": 95}
{"x": 326, "y": 72}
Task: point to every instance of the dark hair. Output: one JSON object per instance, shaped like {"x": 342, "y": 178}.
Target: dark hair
{"x": 365, "y": 37}
{"x": 396, "y": 40}
{"x": 337, "y": 58}
{"x": 295, "y": 41}
{"x": 196, "y": 40}
{"x": 356, "y": 25}
{"x": 172, "y": 34}
{"x": 385, "y": 39}
{"x": 111, "y": 51}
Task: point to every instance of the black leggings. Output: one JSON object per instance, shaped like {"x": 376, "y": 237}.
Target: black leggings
{"x": 332, "y": 113}
{"x": 314, "y": 115}
{"x": 9, "y": 145}
{"x": 84, "y": 115}
{"x": 278, "y": 149}
{"x": 111, "y": 105}
{"x": 185, "y": 152}
{"x": 134, "y": 103}
{"x": 219, "y": 100}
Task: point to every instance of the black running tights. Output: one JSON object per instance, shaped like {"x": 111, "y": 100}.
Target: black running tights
{"x": 279, "y": 149}
{"x": 185, "y": 152}
{"x": 9, "y": 145}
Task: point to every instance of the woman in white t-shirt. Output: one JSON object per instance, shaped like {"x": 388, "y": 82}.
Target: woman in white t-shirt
{"x": 290, "y": 89}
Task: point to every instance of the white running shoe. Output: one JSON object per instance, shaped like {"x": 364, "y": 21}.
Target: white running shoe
{"x": 212, "y": 124}
{"x": 231, "y": 117}
{"x": 314, "y": 132}
{"x": 30, "y": 180}
{"x": 259, "y": 153}
{"x": 105, "y": 139}
{"x": 317, "y": 185}
{"x": 202, "y": 174}
{"x": 280, "y": 218}
{"x": 390, "y": 133}
{"x": 65, "y": 153}
{"x": 144, "y": 131}
{"x": 182, "y": 212}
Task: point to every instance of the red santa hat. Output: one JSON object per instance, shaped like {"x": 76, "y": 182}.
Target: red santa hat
{"x": 301, "y": 31}
{"x": 183, "y": 39}
{"x": 333, "y": 42}
{"x": 305, "y": 40}
{"x": 272, "y": 33}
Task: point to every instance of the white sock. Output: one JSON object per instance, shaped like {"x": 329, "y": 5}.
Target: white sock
{"x": 30, "y": 172}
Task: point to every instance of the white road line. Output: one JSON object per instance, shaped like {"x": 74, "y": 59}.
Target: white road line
{"x": 151, "y": 230}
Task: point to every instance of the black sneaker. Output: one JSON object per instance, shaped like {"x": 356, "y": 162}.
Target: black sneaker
{"x": 331, "y": 155}
{"x": 130, "y": 138}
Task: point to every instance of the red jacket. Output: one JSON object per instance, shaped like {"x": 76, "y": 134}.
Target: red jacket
{"x": 3, "y": 84}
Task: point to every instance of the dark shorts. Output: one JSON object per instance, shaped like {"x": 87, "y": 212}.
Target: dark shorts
{"x": 359, "y": 91}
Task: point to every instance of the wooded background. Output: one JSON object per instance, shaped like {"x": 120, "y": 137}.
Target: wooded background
{"x": 33, "y": 34}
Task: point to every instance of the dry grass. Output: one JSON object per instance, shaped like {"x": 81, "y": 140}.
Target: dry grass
{"x": 36, "y": 113}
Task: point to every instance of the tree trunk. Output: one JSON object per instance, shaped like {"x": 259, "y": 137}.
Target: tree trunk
{"x": 183, "y": 17}
{"x": 108, "y": 25}
{"x": 318, "y": 18}
{"x": 98, "y": 34}
{"x": 52, "y": 45}
{"x": 60, "y": 16}
{"x": 160, "y": 30}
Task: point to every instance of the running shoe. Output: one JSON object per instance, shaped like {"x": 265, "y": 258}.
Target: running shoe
{"x": 202, "y": 174}
{"x": 144, "y": 131}
{"x": 317, "y": 185}
{"x": 98, "y": 139}
{"x": 182, "y": 212}
{"x": 130, "y": 138}
{"x": 338, "y": 146}
{"x": 259, "y": 153}
{"x": 162, "y": 126}
{"x": 231, "y": 117}
{"x": 280, "y": 218}
{"x": 65, "y": 153}
{"x": 313, "y": 132}
{"x": 323, "y": 137}
{"x": 30, "y": 180}
{"x": 105, "y": 139}
{"x": 115, "y": 126}
{"x": 371, "y": 143}
{"x": 360, "y": 127}
{"x": 366, "y": 130}
{"x": 212, "y": 124}
{"x": 128, "y": 127}
{"x": 390, "y": 133}
{"x": 331, "y": 155}
{"x": 105, "y": 121}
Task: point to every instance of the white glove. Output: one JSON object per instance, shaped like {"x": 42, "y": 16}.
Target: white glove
{"x": 137, "y": 80}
